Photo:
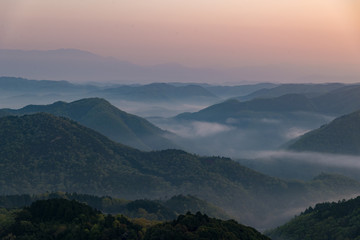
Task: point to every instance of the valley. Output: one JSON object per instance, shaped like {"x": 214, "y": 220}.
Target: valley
{"x": 89, "y": 146}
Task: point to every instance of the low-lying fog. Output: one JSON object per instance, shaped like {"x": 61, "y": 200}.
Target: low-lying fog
{"x": 142, "y": 109}
{"x": 256, "y": 142}
{"x": 233, "y": 137}
{"x": 162, "y": 110}
{"x": 261, "y": 145}
{"x": 304, "y": 165}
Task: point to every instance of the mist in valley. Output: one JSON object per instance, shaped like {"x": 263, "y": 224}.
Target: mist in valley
{"x": 254, "y": 139}
{"x": 260, "y": 144}
{"x": 234, "y": 136}
{"x": 156, "y": 110}
{"x": 300, "y": 165}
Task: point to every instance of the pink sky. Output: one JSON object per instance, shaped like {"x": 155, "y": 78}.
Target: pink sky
{"x": 199, "y": 33}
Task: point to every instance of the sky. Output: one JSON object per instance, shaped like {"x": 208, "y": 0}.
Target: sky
{"x": 222, "y": 34}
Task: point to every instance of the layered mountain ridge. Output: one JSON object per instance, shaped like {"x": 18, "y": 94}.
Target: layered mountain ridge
{"x": 44, "y": 152}
{"x": 341, "y": 136}
{"x": 100, "y": 115}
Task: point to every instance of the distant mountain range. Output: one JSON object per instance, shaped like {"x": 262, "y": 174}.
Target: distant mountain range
{"x": 100, "y": 115}
{"x": 233, "y": 108}
{"x": 309, "y": 90}
{"x": 159, "y": 92}
{"x": 326, "y": 221}
{"x": 10, "y": 85}
{"x": 83, "y": 66}
{"x": 333, "y": 99}
{"x": 341, "y": 100}
{"x": 20, "y": 90}
{"x": 341, "y": 136}
{"x": 156, "y": 99}
{"x": 264, "y": 123}
{"x": 235, "y": 91}
{"x": 42, "y": 152}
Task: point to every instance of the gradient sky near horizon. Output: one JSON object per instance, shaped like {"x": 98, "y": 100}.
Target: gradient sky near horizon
{"x": 198, "y": 33}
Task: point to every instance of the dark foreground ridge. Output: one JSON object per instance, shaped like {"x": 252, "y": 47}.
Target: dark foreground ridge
{"x": 64, "y": 219}
{"x": 160, "y": 210}
{"x": 42, "y": 152}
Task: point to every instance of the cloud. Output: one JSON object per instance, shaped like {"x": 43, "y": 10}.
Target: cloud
{"x": 151, "y": 109}
{"x": 232, "y": 121}
{"x": 197, "y": 129}
{"x": 335, "y": 160}
{"x": 270, "y": 121}
{"x": 295, "y": 132}
{"x": 304, "y": 165}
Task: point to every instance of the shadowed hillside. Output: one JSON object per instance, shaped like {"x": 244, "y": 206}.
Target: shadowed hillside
{"x": 63, "y": 219}
{"x": 160, "y": 210}
{"x": 341, "y": 136}
{"x": 42, "y": 152}
{"x": 100, "y": 115}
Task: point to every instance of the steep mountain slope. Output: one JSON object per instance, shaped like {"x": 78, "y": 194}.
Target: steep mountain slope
{"x": 42, "y": 152}
{"x": 339, "y": 101}
{"x": 100, "y": 115}
{"x": 234, "y": 108}
{"x": 45, "y": 152}
{"x": 333, "y": 98}
{"x": 342, "y": 136}
{"x": 235, "y": 91}
{"x": 309, "y": 90}
{"x": 330, "y": 99}
{"x": 326, "y": 221}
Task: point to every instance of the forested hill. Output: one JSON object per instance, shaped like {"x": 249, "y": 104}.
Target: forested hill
{"x": 100, "y": 115}
{"x": 200, "y": 226}
{"x": 326, "y": 221}
{"x": 341, "y": 136}
{"x": 161, "y": 210}
{"x": 63, "y": 219}
{"x": 42, "y": 152}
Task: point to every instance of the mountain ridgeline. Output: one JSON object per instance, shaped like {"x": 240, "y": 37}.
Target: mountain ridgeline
{"x": 331, "y": 99}
{"x": 100, "y": 115}
{"x": 21, "y": 85}
{"x": 341, "y": 136}
{"x": 159, "y": 92}
{"x": 233, "y": 108}
{"x": 159, "y": 210}
{"x": 308, "y": 90}
{"x": 43, "y": 152}
{"x": 82, "y": 66}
